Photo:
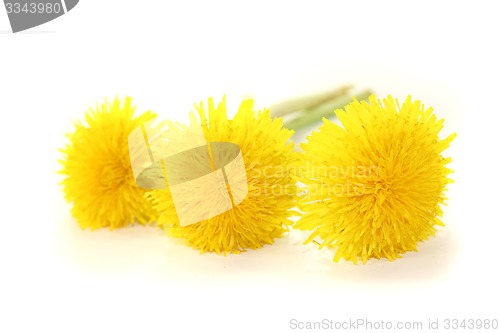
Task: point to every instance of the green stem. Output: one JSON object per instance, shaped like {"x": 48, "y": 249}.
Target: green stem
{"x": 326, "y": 109}
{"x": 307, "y": 102}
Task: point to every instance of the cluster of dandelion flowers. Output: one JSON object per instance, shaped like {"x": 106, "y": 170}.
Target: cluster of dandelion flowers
{"x": 97, "y": 172}
{"x": 268, "y": 157}
{"x": 376, "y": 183}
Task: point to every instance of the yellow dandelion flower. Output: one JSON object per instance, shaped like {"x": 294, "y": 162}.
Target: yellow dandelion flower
{"x": 98, "y": 177}
{"x": 376, "y": 184}
{"x": 261, "y": 212}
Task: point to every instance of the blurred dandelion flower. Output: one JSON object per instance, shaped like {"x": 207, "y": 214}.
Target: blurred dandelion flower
{"x": 98, "y": 178}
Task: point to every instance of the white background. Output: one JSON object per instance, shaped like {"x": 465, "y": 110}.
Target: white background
{"x": 167, "y": 56}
